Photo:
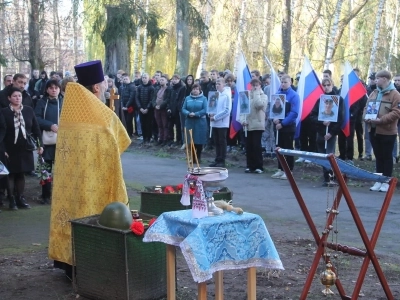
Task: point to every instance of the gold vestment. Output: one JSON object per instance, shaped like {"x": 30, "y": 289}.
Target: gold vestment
{"x": 87, "y": 172}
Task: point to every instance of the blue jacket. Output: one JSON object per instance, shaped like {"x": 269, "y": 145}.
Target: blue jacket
{"x": 291, "y": 110}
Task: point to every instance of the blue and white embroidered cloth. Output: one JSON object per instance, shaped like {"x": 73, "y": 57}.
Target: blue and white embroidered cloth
{"x": 211, "y": 244}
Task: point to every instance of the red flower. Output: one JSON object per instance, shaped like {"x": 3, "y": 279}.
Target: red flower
{"x": 192, "y": 190}
{"x": 130, "y": 109}
{"x": 179, "y": 186}
{"x": 42, "y": 182}
{"x": 137, "y": 228}
{"x": 169, "y": 190}
{"x": 152, "y": 221}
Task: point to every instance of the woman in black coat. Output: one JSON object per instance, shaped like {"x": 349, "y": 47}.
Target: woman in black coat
{"x": 47, "y": 111}
{"x": 20, "y": 122}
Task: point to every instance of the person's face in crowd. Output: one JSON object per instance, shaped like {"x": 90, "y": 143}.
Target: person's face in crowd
{"x": 327, "y": 86}
{"x": 325, "y": 76}
{"x": 196, "y": 91}
{"x": 328, "y": 107}
{"x": 382, "y": 82}
{"x": 397, "y": 81}
{"x": 110, "y": 83}
{"x": 15, "y": 98}
{"x": 371, "y": 81}
{"x": 53, "y": 91}
{"x": 126, "y": 79}
{"x": 119, "y": 76}
{"x": 145, "y": 79}
{"x": 204, "y": 78}
{"x": 175, "y": 80}
{"x": 163, "y": 81}
{"x": 253, "y": 75}
{"x": 54, "y": 77}
{"x": 189, "y": 80}
{"x": 157, "y": 76}
{"x": 8, "y": 81}
{"x": 285, "y": 83}
{"x": 20, "y": 83}
{"x": 229, "y": 82}
{"x": 267, "y": 81}
{"x": 220, "y": 86}
{"x": 214, "y": 76}
{"x": 256, "y": 87}
{"x": 35, "y": 74}
{"x": 43, "y": 76}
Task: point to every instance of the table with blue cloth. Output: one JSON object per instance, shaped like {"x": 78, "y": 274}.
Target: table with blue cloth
{"x": 213, "y": 244}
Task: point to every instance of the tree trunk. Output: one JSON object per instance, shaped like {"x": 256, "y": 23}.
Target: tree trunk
{"x": 182, "y": 40}
{"x": 334, "y": 30}
{"x": 35, "y": 55}
{"x": 240, "y": 34}
{"x": 144, "y": 50}
{"x": 286, "y": 34}
{"x": 117, "y": 50}
{"x": 393, "y": 38}
{"x": 136, "y": 48}
{"x": 75, "y": 6}
{"x": 376, "y": 37}
{"x": 204, "y": 43}
{"x": 55, "y": 35}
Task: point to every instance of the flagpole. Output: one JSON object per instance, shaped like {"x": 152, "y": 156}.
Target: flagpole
{"x": 326, "y": 141}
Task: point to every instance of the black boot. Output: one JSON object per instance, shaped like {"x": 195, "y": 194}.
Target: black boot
{"x": 46, "y": 193}
{"x": 12, "y": 205}
{"x": 21, "y": 202}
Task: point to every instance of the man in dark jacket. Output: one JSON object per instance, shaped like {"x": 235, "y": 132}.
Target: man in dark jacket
{"x": 174, "y": 107}
{"x": 19, "y": 81}
{"x": 31, "y": 87}
{"x": 127, "y": 92}
{"x": 144, "y": 97}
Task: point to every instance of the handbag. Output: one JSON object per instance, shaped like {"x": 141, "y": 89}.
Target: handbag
{"x": 50, "y": 137}
{"x": 30, "y": 142}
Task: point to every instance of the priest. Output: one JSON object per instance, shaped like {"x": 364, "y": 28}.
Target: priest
{"x": 88, "y": 171}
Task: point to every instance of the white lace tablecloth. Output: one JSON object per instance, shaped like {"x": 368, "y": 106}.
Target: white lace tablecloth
{"x": 211, "y": 244}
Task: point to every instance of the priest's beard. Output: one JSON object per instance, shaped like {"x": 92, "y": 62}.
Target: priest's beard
{"x": 102, "y": 96}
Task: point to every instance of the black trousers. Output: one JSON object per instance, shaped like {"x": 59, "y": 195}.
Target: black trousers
{"x": 383, "y": 147}
{"x": 129, "y": 122}
{"x": 146, "y": 120}
{"x": 360, "y": 137}
{"x": 308, "y": 137}
{"x": 175, "y": 120}
{"x": 285, "y": 141}
{"x": 346, "y": 144}
{"x": 254, "y": 156}
{"x": 219, "y": 137}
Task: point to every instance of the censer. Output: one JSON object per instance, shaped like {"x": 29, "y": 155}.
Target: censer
{"x": 328, "y": 278}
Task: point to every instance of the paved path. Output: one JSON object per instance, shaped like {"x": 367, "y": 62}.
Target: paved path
{"x": 274, "y": 200}
{"x": 271, "y": 198}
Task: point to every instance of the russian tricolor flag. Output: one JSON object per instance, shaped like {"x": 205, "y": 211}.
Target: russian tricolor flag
{"x": 243, "y": 78}
{"x": 309, "y": 90}
{"x": 352, "y": 91}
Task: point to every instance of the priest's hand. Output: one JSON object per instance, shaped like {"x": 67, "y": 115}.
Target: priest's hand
{"x": 40, "y": 150}
{"x": 54, "y": 128}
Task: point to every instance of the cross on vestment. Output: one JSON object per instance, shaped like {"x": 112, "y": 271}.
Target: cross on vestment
{"x": 113, "y": 96}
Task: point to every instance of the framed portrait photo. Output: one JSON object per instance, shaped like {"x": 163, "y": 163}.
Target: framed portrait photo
{"x": 212, "y": 102}
{"x": 372, "y": 109}
{"x": 277, "y": 106}
{"x": 328, "y": 108}
{"x": 244, "y": 103}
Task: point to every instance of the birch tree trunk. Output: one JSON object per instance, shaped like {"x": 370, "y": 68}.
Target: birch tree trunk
{"x": 393, "y": 39}
{"x": 144, "y": 49}
{"x": 286, "y": 33}
{"x": 240, "y": 34}
{"x": 56, "y": 36}
{"x": 265, "y": 38}
{"x": 75, "y": 6}
{"x": 204, "y": 43}
{"x": 376, "y": 37}
{"x": 136, "y": 49}
{"x": 334, "y": 30}
{"x": 182, "y": 40}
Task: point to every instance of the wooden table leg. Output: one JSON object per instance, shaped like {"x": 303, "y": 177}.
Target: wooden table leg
{"x": 202, "y": 291}
{"x": 251, "y": 283}
{"x": 171, "y": 283}
{"x": 219, "y": 285}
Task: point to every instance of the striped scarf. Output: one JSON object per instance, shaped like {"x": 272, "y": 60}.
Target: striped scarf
{"x": 18, "y": 122}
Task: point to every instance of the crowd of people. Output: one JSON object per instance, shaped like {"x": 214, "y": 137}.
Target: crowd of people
{"x": 160, "y": 111}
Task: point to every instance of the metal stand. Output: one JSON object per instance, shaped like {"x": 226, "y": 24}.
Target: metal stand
{"x": 321, "y": 241}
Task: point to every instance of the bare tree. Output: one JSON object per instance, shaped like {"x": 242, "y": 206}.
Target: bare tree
{"x": 334, "y": 30}
{"x": 393, "y": 37}
{"x": 286, "y": 33}
{"x": 242, "y": 24}
{"x": 144, "y": 50}
{"x": 204, "y": 41}
{"x": 376, "y": 36}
